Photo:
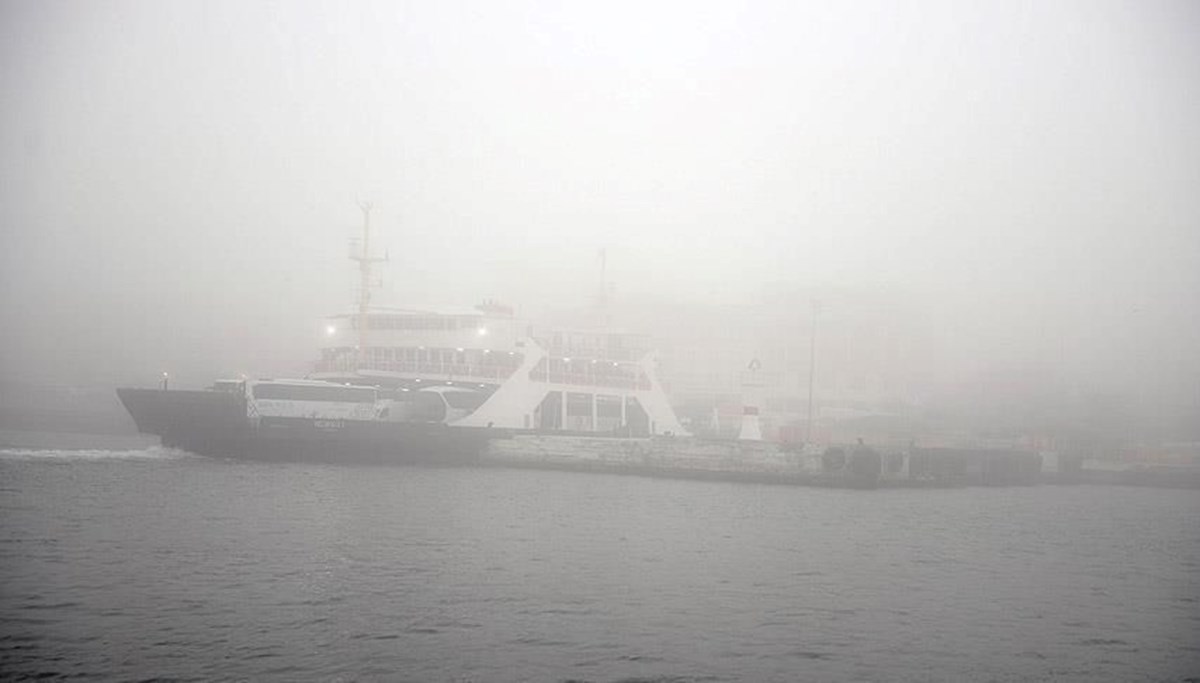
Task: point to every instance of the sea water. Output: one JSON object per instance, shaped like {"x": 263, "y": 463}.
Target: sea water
{"x": 153, "y": 563}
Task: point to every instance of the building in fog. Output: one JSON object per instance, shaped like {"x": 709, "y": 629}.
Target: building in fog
{"x": 873, "y": 360}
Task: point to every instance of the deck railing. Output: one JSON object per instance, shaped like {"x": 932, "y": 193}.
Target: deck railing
{"x": 496, "y": 373}
{"x": 586, "y": 380}
{"x": 448, "y": 370}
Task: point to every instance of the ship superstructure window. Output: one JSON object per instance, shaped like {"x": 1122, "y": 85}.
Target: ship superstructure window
{"x": 308, "y": 392}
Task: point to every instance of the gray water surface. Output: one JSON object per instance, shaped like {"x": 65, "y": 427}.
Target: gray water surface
{"x": 153, "y": 563}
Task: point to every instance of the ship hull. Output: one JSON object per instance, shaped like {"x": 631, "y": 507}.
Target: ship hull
{"x": 215, "y": 424}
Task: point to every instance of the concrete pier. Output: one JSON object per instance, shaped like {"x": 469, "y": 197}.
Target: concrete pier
{"x": 738, "y": 460}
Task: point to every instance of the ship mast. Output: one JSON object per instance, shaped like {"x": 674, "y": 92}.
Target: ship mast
{"x": 365, "y": 260}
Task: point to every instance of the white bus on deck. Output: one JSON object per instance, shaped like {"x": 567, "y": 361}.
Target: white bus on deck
{"x": 309, "y": 399}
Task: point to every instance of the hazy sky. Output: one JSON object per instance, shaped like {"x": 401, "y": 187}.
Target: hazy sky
{"x": 178, "y": 179}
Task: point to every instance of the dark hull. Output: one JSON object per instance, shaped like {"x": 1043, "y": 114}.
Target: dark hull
{"x": 213, "y": 423}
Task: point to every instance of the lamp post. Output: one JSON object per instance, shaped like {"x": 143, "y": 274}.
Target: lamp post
{"x": 812, "y": 370}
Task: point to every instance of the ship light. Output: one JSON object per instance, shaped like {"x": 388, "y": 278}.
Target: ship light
{"x": 330, "y": 330}
{"x": 482, "y": 331}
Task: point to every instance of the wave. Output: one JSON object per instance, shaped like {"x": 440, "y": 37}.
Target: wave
{"x": 92, "y": 454}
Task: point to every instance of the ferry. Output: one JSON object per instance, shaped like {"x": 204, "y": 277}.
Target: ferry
{"x": 424, "y": 386}
{"x": 421, "y": 385}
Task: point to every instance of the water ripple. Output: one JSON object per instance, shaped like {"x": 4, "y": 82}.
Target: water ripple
{"x": 128, "y": 564}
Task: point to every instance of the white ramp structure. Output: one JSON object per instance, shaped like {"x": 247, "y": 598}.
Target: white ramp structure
{"x": 575, "y": 395}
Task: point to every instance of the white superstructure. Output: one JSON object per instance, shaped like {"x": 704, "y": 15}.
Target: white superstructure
{"x": 521, "y": 377}
{"x": 484, "y": 366}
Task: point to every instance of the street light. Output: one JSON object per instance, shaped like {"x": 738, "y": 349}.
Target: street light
{"x": 812, "y": 369}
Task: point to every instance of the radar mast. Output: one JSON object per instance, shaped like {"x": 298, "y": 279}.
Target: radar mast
{"x": 365, "y": 261}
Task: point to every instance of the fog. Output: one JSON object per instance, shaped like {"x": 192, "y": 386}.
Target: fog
{"x": 772, "y": 255}
{"x": 178, "y": 181}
